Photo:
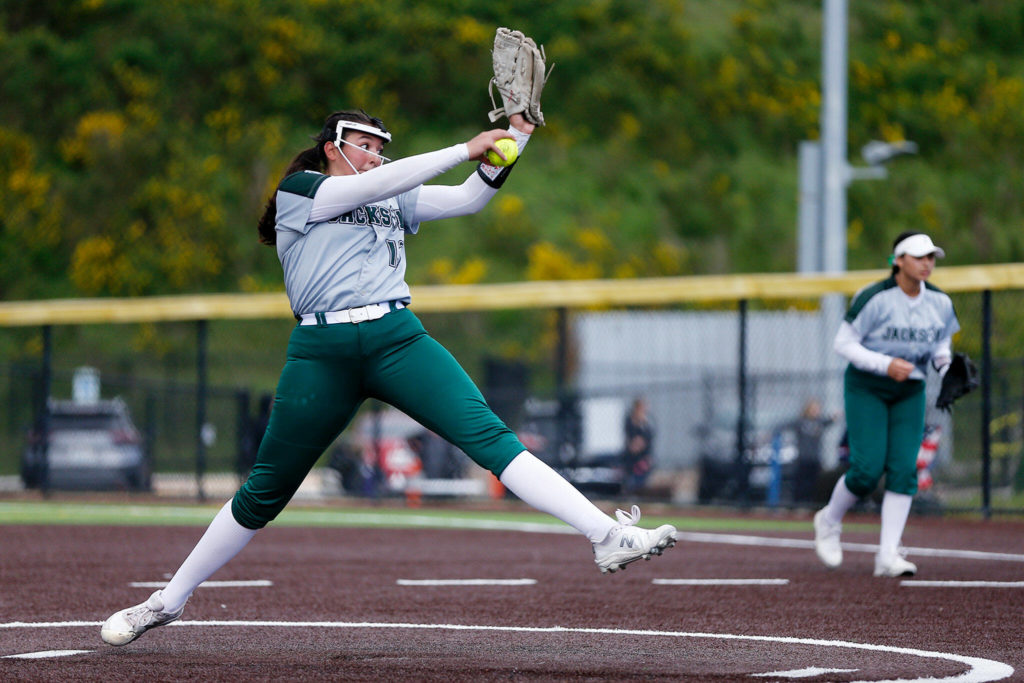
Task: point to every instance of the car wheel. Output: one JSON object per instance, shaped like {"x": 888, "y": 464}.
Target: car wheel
{"x": 140, "y": 479}
{"x": 31, "y": 474}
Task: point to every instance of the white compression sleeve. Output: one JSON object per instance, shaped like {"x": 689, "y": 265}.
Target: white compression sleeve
{"x": 942, "y": 354}
{"x": 521, "y": 138}
{"x": 224, "y": 538}
{"x": 445, "y": 201}
{"x": 847, "y": 344}
{"x": 540, "y": 486}
{"x": 339, "y": 194}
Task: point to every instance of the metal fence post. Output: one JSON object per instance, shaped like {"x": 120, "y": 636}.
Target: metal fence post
{"x": 46, "y": 381}
{"x": 563, "y": 431}
{"x": 986, "y": 403}
{"x": 774, "y": 493}
{"x": 742, "y": 466}
{"x": 201, "y": 353}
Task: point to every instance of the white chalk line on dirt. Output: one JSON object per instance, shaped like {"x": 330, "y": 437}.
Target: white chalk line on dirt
{"x": 46, "y": 654}
{"x": 693, "y": 537}
{"x": 466, "y": 582}
{"x": 255, "y": 583}
{"x": 980, "y": 670}
{"x": 808, "y": 672}
{"x": 383, "y": 519}
{"x": 768, "y": 541}
{"x": 962, "y": 584}
{"x": 720, "y": 582}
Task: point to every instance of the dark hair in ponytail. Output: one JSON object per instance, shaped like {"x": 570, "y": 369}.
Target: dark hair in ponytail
{"x": 899, "y": 238}
{"x": 312, "y": 159}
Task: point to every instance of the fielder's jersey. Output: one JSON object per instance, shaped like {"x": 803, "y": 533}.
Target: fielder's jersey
{"x": 902, "y": 326}
{"x": 354, "y": 259}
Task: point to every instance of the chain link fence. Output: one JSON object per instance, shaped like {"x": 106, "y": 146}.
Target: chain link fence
{"x": 732, "y": 387}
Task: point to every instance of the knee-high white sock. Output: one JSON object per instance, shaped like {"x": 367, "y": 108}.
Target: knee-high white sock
{"x": 540, "y": 486}
{"x": 841, "y": 501}
{"x": 895, "y": 510}
{"x": 223, "y": 539}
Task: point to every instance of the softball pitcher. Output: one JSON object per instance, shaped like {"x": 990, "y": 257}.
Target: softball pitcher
{"x": 892, "y": 331}
{"x": 339, "y": 221}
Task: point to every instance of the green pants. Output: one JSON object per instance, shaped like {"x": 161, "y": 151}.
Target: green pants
{"x": 885, "y": 422}
{"x": 329, "y": 372}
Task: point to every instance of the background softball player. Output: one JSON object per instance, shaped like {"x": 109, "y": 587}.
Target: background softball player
{"x": 891, "y": 331}
{"x": 339, "y": 220}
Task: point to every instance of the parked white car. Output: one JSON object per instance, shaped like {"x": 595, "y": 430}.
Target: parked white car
{"x": 92, "y": 446}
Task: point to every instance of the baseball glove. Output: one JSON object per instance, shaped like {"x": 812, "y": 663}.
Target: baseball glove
{"x": 961, "y": 378}
{"x": 519, "y": 76}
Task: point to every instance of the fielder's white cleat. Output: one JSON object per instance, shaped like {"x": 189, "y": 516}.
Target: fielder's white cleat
{"x": 128, "y": 624}
{"x": 826, "y": 541}
{"x": 627, "y": 542}
{"x": 893, "y": 565}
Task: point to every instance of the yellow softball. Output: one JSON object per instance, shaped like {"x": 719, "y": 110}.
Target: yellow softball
{"x": 508, "y": 147}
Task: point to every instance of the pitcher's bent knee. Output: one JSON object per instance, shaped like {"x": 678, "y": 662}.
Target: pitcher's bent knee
{"x": 251, "y": 512}
{"x": 498, "y": 453}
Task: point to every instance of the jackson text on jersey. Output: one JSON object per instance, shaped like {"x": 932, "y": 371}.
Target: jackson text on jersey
{"x": 376, "y": 215}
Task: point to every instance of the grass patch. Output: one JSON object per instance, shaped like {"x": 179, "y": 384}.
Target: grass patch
{"x": 144, "y": 514}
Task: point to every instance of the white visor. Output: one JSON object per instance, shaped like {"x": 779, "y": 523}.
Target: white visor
{"x": 362, "y": 127}
{"x": 917, "y": 246}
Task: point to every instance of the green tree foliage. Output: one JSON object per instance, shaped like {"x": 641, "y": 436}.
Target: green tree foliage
{"x": 139, "y": 140}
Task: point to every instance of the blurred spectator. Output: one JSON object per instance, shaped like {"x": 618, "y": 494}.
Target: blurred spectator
{"x": 253, "y": 434}
{"x": 808, "y": 428}
{"x": 440, "y": 459}
{"x": 636, "y": 456}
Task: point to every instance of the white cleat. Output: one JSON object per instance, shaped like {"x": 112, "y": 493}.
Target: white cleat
{"x": 627, "y": 542}
{"x": 125, "y": 626}
{"x": 888, "y": 565}
{"x": 826, "y": 541}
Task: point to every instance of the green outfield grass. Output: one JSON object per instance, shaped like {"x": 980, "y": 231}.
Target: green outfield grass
{"x": 141, "y": 514}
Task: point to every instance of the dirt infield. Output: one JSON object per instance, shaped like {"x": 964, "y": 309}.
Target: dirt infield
{"x": 349, "y": 604}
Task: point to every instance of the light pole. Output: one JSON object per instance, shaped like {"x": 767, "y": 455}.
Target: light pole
{"x": 811, "y": 243}
{"x": 824, "y": 171}
{"x": 825, "y": 175}
{"x": 833, "y": 136}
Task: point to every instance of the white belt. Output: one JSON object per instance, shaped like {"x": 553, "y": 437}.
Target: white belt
{"x": 359, "y": 314}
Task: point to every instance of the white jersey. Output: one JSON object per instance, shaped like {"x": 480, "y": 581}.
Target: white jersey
{"x": 352, "y": 259}
{"x": 341, "y": 239}
{"x": 890, "y": 324}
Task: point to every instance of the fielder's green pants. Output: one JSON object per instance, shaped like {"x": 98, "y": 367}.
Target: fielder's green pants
{"x": 329, "y": 372}
{"x": 885, "y": 423}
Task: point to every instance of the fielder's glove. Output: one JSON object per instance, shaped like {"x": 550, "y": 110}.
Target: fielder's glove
{"x": 961, "y": 378}
{"x": 519, "y": 76}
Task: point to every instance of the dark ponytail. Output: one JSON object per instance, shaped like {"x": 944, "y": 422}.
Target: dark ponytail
{"x": 312, "y": 159}
{"x": 899, "y": 238}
